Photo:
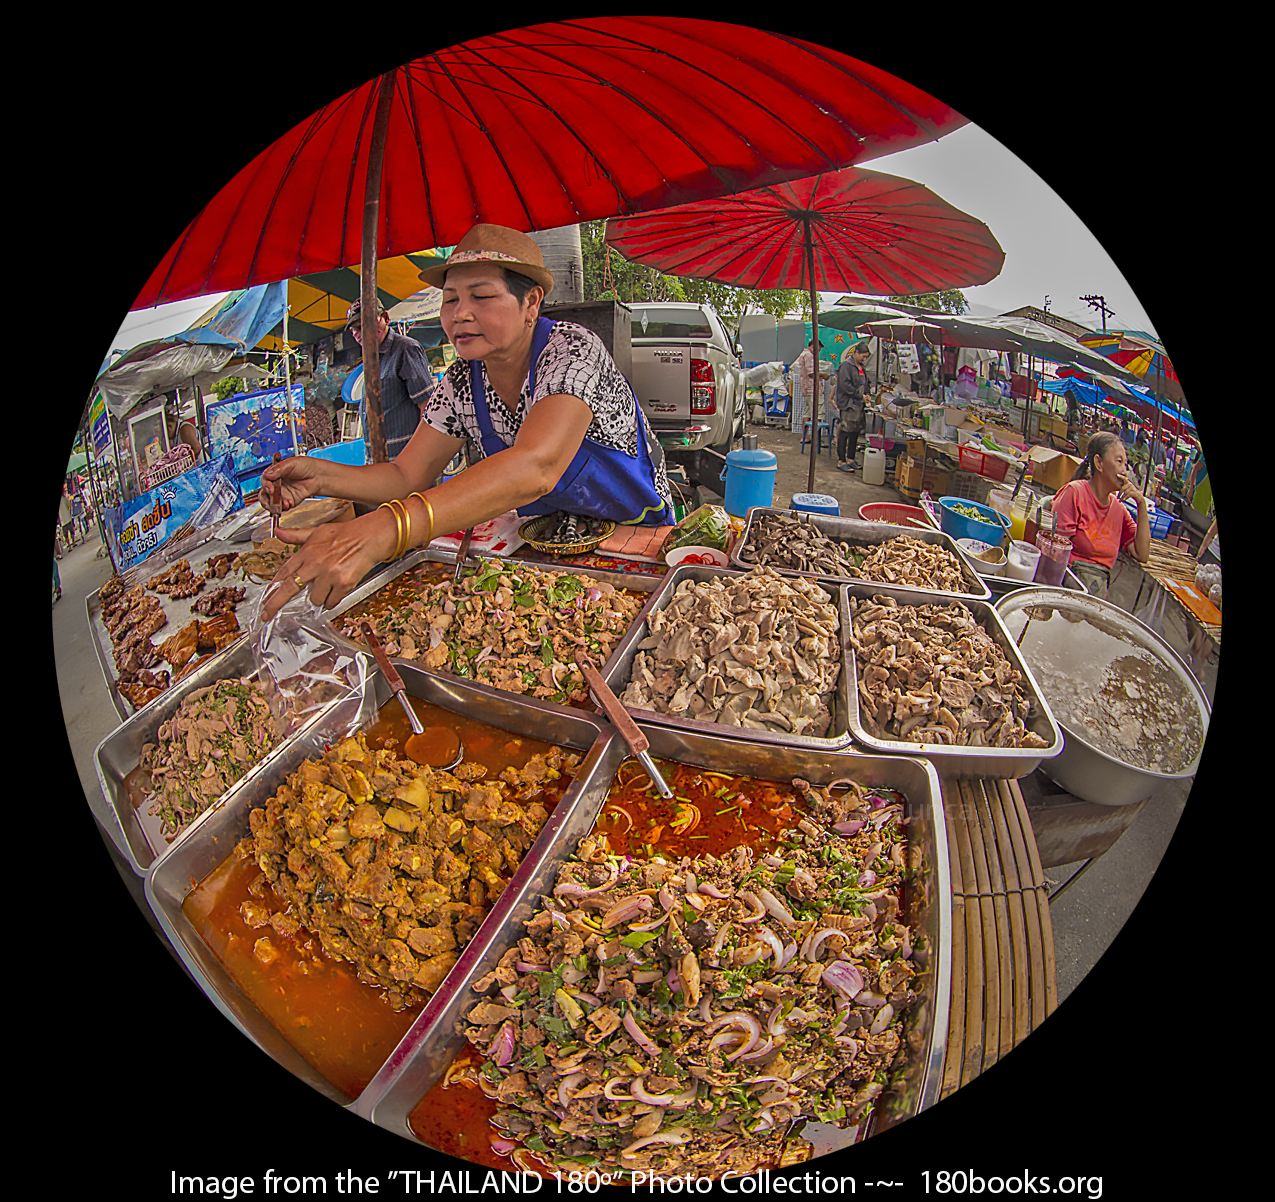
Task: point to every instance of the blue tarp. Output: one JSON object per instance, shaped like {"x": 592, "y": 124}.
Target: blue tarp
{"x": 1091, "y": 394}
{"x": 243, "y": 320}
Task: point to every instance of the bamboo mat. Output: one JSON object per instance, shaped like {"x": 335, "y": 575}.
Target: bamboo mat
{"x": 1171, "y": 563}
{"x": 1004, "y": 978}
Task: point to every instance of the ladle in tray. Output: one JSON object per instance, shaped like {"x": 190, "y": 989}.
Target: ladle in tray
{"x": 422, "y": 745}
{"x": 623, "y": 720}
{"x": 461, "y": 556}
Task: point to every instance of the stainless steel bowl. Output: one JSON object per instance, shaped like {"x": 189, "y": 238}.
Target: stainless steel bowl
{"x": 1081, "y": 768}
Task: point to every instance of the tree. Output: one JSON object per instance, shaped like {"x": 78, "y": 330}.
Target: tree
{"x": 228, "y": 386}
{"x": 950, "y": 300}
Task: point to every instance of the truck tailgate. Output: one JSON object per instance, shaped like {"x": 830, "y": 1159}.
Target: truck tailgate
{"x": 662, "y": 380}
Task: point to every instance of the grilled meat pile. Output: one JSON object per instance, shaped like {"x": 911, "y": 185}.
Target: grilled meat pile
{"x": 219, "y": 601}
{"x": 932, "y": 674}
{"x": 178, "y": 581}
{"x": 393, "y": 865}
{"x": 778, "y": 540}
{"x": 758, "y": 650}
{"x": 678, "y": 1017}
{"x": 511, "y": 626}
{"x": 212, "y": 741}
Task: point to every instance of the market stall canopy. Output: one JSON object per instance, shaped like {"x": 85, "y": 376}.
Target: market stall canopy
{"x": 541, "y": 127}
{"x": 77, "y": 463}
{"x": 870, "y": 231}
{"x": 318, "y": 303}
{"x": 1143, "y": 356}
{"x": 209, "y": 351}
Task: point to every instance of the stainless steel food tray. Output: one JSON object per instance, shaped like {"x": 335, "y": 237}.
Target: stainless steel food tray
{"x": 423, "y": 1056}
{"x": 172, "y": 877}
{"x": 180, "y": 613}
{"x": 120, "y": 752}
{"x": 620, "y": 667}
{"x": 963, "y": 763}
{"x": 644, "y": 584}
{"x": 871, "y": 533}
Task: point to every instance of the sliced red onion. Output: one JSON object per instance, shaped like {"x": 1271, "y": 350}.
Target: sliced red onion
{"x": 568, "y": 889}
{"x": 509, "y": 992}
{"x": 753, "y": 900}
{"x": 449, "y": 607}
{"x": 813, "y": 943}
{"x": 638, "y": 1090}
{"x": 691, "y": 885}
{"x": 646, "y": 976}
{"x": 674, "y": 981}
{"x": 776, "y": 907}
{"x": 849, "y": 1043}
{"x": 762, "y": 1049}
{"x": 906, "y": 953}
{"x": 525, "y": 966}
{"x": 640, "y": 1037}
{"x": 870, "y": 912}
{"x": 724, "y": 1120}
{"x": 739, "y": 1019}
{"x": 869, "y": 999}
{"x": 765, "y": 1122}
{"x": 839, "y": 1025}
{"x": 878, "y": 801}
{"x": 502, "y": 1047}
{"x": 719, "y": 939}
{"x": 594, "y": 594}
{"x": 850, "y": 827}
{"x": 774, "y": 1025}
{"x": 754, "y": 955}
{"x": 565, "y": 1088}
{"x": 485, "y": 653}
{"x": 882, "y": 1020}
{"x": 667, "y": 900}
{"x": 711, "y": 890}
{"x": 675, "y": 1136}
{"x": 843, "y": 977}
{"x": 596, "y": 1114}
{"x": 871, "y": 854}
{"x": 776, "y": 1093}
{"x": 586, "y": 997}
{"x": 881, "y": 817}
{"x": 649, "y": 926}
{"x": 866, "y": 879}
{"x": 790, "y": 950}
{"x": 608, "y": 1090}
{"x": 626, "y": 910}
{"x": 772, "y": 861}
{"x": 502, "y": 1147}
{"x": 766, "y": 935}
{"x": 559, "y": 920}
{"x": 704, "y": 1012}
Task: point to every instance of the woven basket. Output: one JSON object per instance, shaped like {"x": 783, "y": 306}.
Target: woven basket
{"x": 532, "y": 530}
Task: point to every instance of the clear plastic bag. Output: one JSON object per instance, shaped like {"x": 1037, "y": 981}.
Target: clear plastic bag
{"x": 707, "y": 526}
{"x": 304, "y": 667}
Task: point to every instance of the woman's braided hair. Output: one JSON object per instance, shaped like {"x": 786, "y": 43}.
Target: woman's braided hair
{"x": 1099, "y": 445}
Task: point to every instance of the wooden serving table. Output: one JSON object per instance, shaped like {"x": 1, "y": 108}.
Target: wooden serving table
{"x": 1004, "y": 977}
{"x": 1171, "y": 563}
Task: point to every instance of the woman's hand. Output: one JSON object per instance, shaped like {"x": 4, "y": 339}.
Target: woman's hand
{"x": 1129, "y": 489}
{"x": 286, "y": 484}
{"x": 332, "y": 560}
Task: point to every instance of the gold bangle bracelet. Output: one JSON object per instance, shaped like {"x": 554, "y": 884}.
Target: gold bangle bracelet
{"x": 398, "y": 526}
{"x": 429, "y": 509}
{"x": 401, "y": 549}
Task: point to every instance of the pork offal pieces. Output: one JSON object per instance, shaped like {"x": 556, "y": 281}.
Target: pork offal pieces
{"x": 932, "y": 674}
{"x": 757, "y": 651}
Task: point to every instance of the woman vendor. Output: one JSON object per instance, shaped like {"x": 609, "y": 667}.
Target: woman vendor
{"x": 1091, "y": 513}
{"x": 550, "y": 422}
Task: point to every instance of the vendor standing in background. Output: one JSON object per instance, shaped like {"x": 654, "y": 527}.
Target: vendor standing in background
{"x": 1073, "y": 416}
{"x": 550, "y": 422}
{"x": 803, "y": 366}
{"x": 852, "y": 389}
{"x": 406, "y": 379}
{"x": 1091, "y": 512}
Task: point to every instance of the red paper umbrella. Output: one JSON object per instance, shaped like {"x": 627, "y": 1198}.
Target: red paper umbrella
{"x": 848, "y": 231}
{"x": 543, "y": 127}
{"x": 867, "y": 232}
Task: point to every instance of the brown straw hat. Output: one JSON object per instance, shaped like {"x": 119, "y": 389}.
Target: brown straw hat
{"x": 500, "y": 245}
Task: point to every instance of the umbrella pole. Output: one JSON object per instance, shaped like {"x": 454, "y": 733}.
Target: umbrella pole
{"x": 287, "y": 381}
{"x": 814, "y": 320}
{"x": 371, "y": 220}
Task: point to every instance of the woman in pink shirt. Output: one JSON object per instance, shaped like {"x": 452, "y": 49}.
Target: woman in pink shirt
{"x": 1091, "y": 512}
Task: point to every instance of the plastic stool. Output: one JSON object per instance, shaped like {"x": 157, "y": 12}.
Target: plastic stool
{"x": 823, "y": 426}
{"x": 815, "y": 502}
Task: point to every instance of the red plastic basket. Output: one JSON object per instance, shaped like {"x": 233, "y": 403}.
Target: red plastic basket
{"x": 885, "y": 511}
{"x": 983, "y": 464}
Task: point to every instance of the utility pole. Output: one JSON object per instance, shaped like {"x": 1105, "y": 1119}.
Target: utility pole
{"x": 1100, "y": 304}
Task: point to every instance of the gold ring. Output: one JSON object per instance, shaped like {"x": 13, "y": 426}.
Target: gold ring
{"x": 298, "y": 582}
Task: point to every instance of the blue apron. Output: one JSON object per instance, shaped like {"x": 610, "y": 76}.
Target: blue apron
{"x": 600, "y": 481}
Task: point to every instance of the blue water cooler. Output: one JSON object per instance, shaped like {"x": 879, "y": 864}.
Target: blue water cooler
{"x": 750, "y": 478}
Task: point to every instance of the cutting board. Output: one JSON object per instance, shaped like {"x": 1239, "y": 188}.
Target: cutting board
{"x": 1194, "y": 600}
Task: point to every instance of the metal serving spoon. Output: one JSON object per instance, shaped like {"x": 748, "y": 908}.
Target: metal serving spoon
{"x": 435, "y": 747}
{"x": 623, "y": 720}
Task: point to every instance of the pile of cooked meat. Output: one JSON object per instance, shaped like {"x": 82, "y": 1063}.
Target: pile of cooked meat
{"x": 511, "y": 626}
{"x": 219, "y": 601}
{"x": 932, "y": 674}
{"x": 178, "y": 582}
{"x": 393, "y": 865}
{"x": 212, "y": 741}
{"x": 759, "y": 651}
{"x": 264, "y": 560}
{"x": 778, "y": 540}
{"x": 678, "y": 1017}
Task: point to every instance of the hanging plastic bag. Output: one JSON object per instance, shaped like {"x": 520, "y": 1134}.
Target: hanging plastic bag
{"x": 304, "y": 667}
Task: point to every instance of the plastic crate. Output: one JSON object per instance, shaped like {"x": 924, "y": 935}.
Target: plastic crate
{"x": 1160, "y": 521}
{"x": 982, "y": 463}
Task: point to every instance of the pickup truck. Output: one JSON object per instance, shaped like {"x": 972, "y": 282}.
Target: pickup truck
{"x": 686, "y": 373}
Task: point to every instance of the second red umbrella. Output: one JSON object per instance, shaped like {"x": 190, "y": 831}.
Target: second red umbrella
{"x": 842, "y": 231}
